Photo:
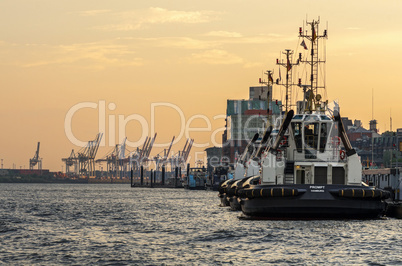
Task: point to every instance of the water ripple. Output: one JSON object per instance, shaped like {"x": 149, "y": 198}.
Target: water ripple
{"x": 49, "y": 224}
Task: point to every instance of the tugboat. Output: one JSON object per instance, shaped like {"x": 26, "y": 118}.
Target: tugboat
{"x": 239, "y": 173}
{"x": 310, "y": 170}
{"x": 252, "y": 168}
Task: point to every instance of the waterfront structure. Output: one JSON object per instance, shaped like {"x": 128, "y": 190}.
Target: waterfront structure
{"x": 385, "y": 178}
{"x": 245, "y": 118}
{"x": 214, "y": 157}
{"x": 376, "y": 150}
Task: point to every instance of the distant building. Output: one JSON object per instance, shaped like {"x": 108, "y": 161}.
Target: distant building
{"x": 357, "y": 123}
{"x": 260, "y": 93}
{"x": 245, "y": 118}
{"x": 347, "y": 123}
{"x": 214, "y": 156}
{"x": 359, "y": 133}
{"x": 375, "y": 149}
{"x": 373, "y": 126}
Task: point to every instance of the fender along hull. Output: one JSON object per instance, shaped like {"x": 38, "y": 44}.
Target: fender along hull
{"x": 313, "y": 202}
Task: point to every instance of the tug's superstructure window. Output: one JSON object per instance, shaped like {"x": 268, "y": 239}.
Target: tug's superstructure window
{"x": 311, "y": 135}
{"x": 311, "y": 131}
{"x": 323, "y": 136}
{"x": 297, "y": 131}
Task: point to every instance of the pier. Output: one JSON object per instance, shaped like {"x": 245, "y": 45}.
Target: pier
{"x": 388, "y": 179}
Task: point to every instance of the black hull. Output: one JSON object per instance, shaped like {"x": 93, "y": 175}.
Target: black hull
{"x": 157, "y": 185}
{"x": 195, "y": 188}
{"x": 307, "y": 203}
{"x": 213, "y": 188}
{"x": 224, "y": 200}
{"x": 234, "y": 204}
{"x": 394, "y": 209}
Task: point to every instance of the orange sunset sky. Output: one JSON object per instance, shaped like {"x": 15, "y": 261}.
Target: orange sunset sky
{"x": 193, "y": 55}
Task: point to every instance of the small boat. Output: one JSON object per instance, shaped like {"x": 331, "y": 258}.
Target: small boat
{"x": 218, "y": 175}
{"x": 310, "y": 170}
{"x": 196, "y": 179}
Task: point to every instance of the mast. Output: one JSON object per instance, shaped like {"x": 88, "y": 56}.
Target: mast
{"x": 372, "y": 119}
{"x": 288, "y": 84}
{"x": 269, "y": 84}
{"x": 313, "y": 98}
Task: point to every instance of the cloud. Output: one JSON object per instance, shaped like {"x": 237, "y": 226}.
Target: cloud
{"x": 179, "y": 42}
{"x": 226, "y": 34}
{"x": 353, "y": 28}
{"x": 160, "y": 15}
{"x": 86, "y": 55}
{"x": 119, "y": 27}
{"x": 254, "y": 65}
{"x": 136, "y": 19}
{"x": 210, "y": 43}
{"x": 95, "y": 12}
{"x": 216, "y": 57}
{"x": 261, "y": 39}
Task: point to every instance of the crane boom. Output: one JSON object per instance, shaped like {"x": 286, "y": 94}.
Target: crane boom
{"x": 141, "y": 152}
{"x": 190, "y": 145}
{"x": 170, "y": 147}
{"x": 37, "y": 151}
{"x": 150, "y": 146}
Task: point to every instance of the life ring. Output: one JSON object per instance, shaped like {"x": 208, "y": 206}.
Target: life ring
{"x": 336, "y": 140}
{"x": 284, "y": 141}
{"x": 342, "y": 154}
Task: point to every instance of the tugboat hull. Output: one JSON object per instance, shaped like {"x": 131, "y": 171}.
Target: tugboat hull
{"x": 234, "y": 204}
{"x": 195, "y": 188}
{"x": 313, "y": 202}
{"x": 224, "y": 200}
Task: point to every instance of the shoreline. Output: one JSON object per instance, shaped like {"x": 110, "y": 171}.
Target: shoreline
{"x": 53, "y": 180}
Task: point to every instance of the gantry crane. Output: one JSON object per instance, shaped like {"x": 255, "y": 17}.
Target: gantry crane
{"x": 36, "y": 160}
{"x": 180, "y": 159}
{"x": 161, "y": 161}
{"x": 142, "y": 156}
{"x": 86, "y": 156}
{"x": 72, "y": 160}
{"x": 116, "y": 161}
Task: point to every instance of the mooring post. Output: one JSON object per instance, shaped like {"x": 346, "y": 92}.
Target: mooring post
{"x": 179, "y": 174}
{"x": 163, "y": 175}
{"x": 142, "y": 175}
{"x": 132, "y": 177}
{"x": 188, "y": 174}
{"x": 152, "y": 177}
{"x": 176, "y": 174}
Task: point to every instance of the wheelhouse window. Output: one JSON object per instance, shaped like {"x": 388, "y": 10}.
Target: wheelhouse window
{"x": 311, "y": 131}
{"x": 297, "y": 134}
{"x": 323, "y": 136}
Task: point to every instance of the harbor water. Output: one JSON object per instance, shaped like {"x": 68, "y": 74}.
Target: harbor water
{"x": 105, "y": 224}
